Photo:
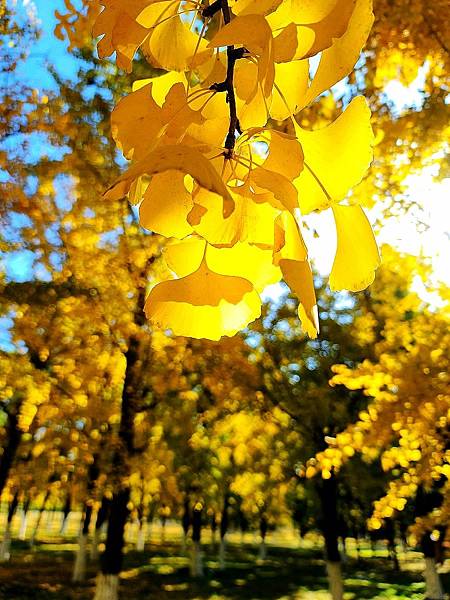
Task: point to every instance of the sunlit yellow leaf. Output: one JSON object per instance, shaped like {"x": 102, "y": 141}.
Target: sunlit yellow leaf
{"x": 184, "y": 257}
{"x": 203, "y": 304}
{"x": 252, "y": 7}
{"x": 166, "y": 205}
{"x": 337, "y": 61}
{"x": 172, "y": 44}
{"x": 251, "y": 220}
{"x": 291, "y": 84}
{"x": 298, "y": 276}
{"x": 335, "y": 157}
{"x": 244, "y": 260}
{"x": 357, "y": 255}
{"x": 185, "y": 159}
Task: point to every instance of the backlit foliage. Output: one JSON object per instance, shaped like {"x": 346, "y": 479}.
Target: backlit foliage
{"x": 406, "y": 378}
{"x": 221, "y": 166}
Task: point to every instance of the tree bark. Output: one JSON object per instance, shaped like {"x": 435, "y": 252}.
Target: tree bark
{"x": 434, "y": 589}
{"x": 327, "y": 490}
{"x": 13, "y": 437}
{"x": 5, "y": 546}
{"x": 196, "y": 557}
{"x": 224, "y": 521}
{"x": 112, "y": 557}
{"x": 102, "y": 518}
{"x": 38, "y": 521}
{"x": 79, "y": 569}
{"x": 24, "y": 520}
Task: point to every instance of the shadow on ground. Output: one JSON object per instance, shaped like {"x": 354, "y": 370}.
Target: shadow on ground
{"x": 161, "y": 573}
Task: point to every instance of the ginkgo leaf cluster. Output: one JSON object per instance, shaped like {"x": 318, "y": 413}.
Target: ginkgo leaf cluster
{"x": 213, "y": 170}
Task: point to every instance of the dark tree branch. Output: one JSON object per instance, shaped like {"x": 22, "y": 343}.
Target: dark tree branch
{"x": 228, "y": 84}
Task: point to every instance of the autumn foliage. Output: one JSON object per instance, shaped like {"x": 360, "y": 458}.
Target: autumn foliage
{"x": 221, "y": 166}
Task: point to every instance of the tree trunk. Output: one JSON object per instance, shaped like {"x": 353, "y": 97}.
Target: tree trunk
{"x": 434, "y": 590}
{"x": 79, "y": 569}
{"x": 335, "y": 583}
{"x": 100, "y": 524}
{"x": 13, "y": 437}
{"x": 106, "y": 587}
{"x": 141, "y": 534}
{"x": 224, "y": 520}
{"x": 38, "y": 521}
{"x": 65, "y": 515}
{"x": 196, "y": 556}
{"x": 111, "y": 559}
{"x": 327, "y": 490}
{"x": 392, "y": 548}
{"x": 262, "y": 555}
{"x": 24, "y": 520}
{"x": 5, "y": 546}
{"x": 185, "y": 523}
{"x": 107, "y": 584}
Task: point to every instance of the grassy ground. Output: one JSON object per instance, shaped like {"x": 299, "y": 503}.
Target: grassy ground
{"x": 161, "y": 573}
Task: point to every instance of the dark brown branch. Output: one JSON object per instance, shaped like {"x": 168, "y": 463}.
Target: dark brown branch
{"x": 228, "y": 84}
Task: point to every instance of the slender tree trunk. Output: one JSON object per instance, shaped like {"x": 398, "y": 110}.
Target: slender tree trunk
{"x": 263, "y": 532}
{"x": 392, "y": 548}
{"x": 196, "y": 556}
{"x": 65, "y": 515}
{"x": 163, "y": 529}
{"x": 79, "y": 569}
{"x": 224, "y": 521}
{"x": 24, "y": 520}
{"x": 38, "y": 521}
{"x": 185, "y": 523}
{"x": 13, "y": 437}
{"x": 100, "y": 524}
{"x": 434, "y": 589}
{"x": 141, "y": 532}
{"x": 5, "y": 546}
{"x": 107, "y": 586}
{"x": 358, "y": 546}
{"x": 327, "y": 489}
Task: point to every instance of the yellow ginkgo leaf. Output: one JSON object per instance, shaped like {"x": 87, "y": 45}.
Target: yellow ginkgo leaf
{"x": 304, "y": 12}
{"x": 303, "y": 31}
{"x": 291, "y": 255}
{"x": 254, "y": 7}
{"x": 284, "y": 193}
{"x": 335, "y": 157}
{"x": 160, "y": 85}
{"x": 138, "y": 123}
{"x": 289, "y": 243}
{"x": 172, "y": 45}
{"x": 122, "y": 35}
{"x": 203, "y": 304}
{"x": 285, "y": 154}
{"x": 357, "y": 256}
{"x": 185, "y": 159}
{"x": 244, "y": 260}
{"x": 298, "y": 276}
{"x": 166, "y": 205}
{"x": 251, "y": 31}
{"x": 184, "y": 257}
{"x": 251, "y": 103}
{"x": 291, "y": 85}
{"x": 254, "y": 33}
{"x": 337, "y": 61}
{"x": 251, "y": 220}
{"x": 331, "y": 27}
{"x": 121, "y": 31}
